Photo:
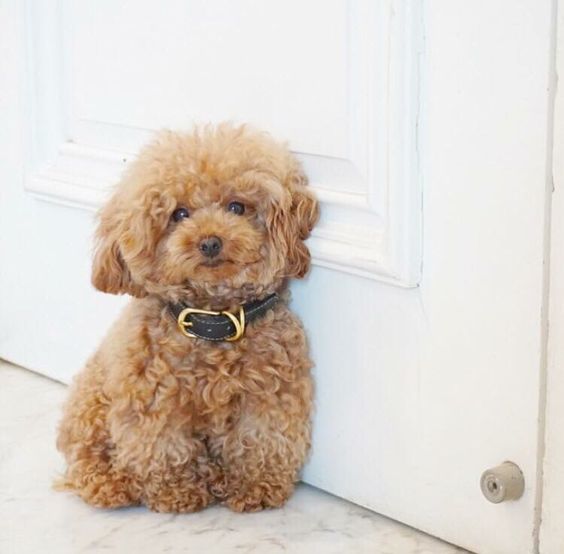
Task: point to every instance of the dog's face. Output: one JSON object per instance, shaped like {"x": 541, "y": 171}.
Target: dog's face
{"x": 221, "y": 213}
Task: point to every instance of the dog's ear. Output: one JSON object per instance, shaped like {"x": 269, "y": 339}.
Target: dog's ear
{"x": 109, "y": 270}
{"x": 294, "y": 224}
{"x": 305, "y": 208}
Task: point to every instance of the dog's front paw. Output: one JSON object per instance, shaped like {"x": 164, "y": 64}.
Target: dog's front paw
{"x": 177, "y": 495}
{"x": 171, "y": 503}
{"x": 257, "y": 497}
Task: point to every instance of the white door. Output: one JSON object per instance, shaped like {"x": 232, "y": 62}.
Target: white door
{"x": 424, "y": 128}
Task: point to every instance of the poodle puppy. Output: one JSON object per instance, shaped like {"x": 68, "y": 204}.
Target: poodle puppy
{"x": 201, "y": 391}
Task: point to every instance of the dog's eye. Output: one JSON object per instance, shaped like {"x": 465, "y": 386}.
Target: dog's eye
{"x": 180, "y": 213}
{"x": 236, "y": 207}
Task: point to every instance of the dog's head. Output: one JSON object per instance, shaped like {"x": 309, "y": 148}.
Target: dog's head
{"x": 222, "y": 212}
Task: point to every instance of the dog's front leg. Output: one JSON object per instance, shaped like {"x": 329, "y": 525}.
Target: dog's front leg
{"x": 157, "y": 446}
{"x": 176, "y": 489}
{"x": 263, "y": 456}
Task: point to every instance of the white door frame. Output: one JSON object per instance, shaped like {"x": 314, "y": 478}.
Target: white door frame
{"x": 550, "y": 508}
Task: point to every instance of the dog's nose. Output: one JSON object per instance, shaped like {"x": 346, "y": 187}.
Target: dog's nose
{"x": 211, "y": 246}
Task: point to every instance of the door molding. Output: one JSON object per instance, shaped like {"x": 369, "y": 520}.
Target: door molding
{"x": 370, "y": 228}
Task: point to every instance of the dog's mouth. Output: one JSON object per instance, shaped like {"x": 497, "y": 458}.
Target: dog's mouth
{"x": 215, "y": 262}
{"x": 226, "y": 262}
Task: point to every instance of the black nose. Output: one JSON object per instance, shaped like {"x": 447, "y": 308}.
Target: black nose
{"x": 211, "y": 246}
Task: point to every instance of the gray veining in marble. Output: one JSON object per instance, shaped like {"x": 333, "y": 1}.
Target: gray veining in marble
{"x": 35, "y": 519}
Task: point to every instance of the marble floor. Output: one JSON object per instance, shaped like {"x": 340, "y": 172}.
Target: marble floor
{"x": 35, "y": 519}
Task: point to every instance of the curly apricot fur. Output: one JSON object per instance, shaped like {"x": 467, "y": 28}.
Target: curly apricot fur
{"x": 159, "y": 419}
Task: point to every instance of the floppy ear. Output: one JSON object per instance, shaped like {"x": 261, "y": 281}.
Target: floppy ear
{"x": 296, "y": 225}
{"x": 109, "y": 270}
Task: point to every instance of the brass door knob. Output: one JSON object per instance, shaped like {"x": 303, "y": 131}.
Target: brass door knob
{"x": 503, "y": 482}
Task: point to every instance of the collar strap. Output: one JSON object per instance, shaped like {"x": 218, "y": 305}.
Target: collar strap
{"x": 218, "y": 326}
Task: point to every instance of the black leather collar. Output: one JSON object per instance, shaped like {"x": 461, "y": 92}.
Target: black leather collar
{"x": 218, "y": 326}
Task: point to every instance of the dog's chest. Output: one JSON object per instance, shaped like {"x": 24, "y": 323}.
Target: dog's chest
{"x": 214, "y": 376}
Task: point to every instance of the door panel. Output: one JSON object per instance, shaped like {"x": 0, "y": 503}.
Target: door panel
{"x": 424, "y": 130}
{"x": 346, "y": 101}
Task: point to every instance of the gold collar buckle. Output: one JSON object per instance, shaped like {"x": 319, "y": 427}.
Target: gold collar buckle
{"x": 239, "y": 323}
